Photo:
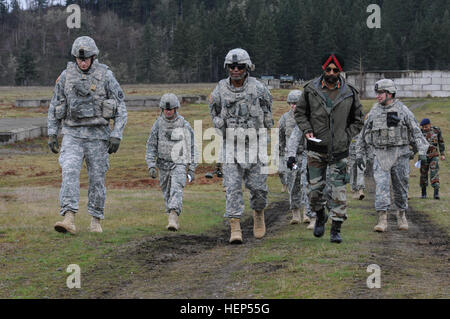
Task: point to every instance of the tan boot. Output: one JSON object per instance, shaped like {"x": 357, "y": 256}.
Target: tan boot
{"x": 173, "y": 221}
{"x": 296, "y": 217}
{"x": 95, "y": 225}
{"x": 361, "y": 194}
{"x": 259, "y": 226}
{"x": 382, "y": 222}
{"x": 306, "y": 219}
{"x": 236, "y": 233}
{"x": 311, "y": 224}
{"x": 68, "y": 224}
{"x": 401, "y": 220}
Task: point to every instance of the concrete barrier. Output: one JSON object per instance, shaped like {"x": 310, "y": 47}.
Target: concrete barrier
{"x": 13, "y": 130}
{"x": 408, "y": 83}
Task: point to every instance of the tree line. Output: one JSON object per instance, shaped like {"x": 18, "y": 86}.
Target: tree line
{"x": 167, "y": 41}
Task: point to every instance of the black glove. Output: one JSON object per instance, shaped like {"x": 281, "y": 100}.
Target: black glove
{"x": 113, "y": 144}
{"x": 291, "y": 161}
{"x": 392, "y": 119}
{"x": 152, "y": 172}
{"x": 53, "y": 143}
{"x": 360, "y": 163}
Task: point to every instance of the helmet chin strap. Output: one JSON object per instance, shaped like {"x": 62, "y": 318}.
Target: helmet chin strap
{"x": 387, "y": 99}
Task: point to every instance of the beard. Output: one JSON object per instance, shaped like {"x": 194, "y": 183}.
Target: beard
{"x": 332, "y": 79}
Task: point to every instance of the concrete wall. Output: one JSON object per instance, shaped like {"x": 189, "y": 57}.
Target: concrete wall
{"x": 408, "y": 83}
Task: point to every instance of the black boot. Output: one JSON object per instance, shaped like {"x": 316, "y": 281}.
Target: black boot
{"x": 335, "y": 232}
{"x": 436, "y": 193}
{"x": 424, "y": 192}
{"x": 321, "y": 219}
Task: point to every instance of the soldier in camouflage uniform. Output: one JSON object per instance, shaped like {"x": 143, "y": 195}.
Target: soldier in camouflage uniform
{"x": 298, "y": 184}
{"x": 240, "y": 108}
{"x": 356, "y": 175}
{"x": 389, "y": 129}
{"x": 86, "y": 97}
{"x": 329, "y": 114}
{"x": 171, "y": 149}
{"x": 434, "y": 137}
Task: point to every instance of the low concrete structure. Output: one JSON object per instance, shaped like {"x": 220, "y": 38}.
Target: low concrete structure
{"x": 409, "y": 83}
{"x": 131, "y": 101}
{"x": 13, "y": 130}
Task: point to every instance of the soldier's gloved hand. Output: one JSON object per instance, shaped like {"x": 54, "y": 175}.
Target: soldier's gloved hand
{"x": 291, "y": 161}
{"x": 411, "y": 155}
{"x": 113, "y": 144}
{"x": 152, "y": 172}
{"x": 53, "y": 143}
{"x": 191, "y": 176}
{"x": 423, "y": 158}
{"x": 360, "y": 163}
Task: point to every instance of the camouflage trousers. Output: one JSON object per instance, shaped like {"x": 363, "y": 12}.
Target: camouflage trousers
{"x": 233, "y": 176}
{"x": 317, "y": 176}
{"x": 299, "y": 187}
{"x": 283, "y": 171}
{"x": 432, "y": 165}
{"x": 399, "y": 175}
{"x": 172, "y": 182}
{"x": 95, "y": 153}
{"x": 356, "y": 175}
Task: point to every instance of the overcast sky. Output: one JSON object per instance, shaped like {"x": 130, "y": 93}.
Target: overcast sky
{"x": 24, "y": 4}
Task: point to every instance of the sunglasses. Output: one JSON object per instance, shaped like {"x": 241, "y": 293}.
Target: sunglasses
{"x": 335, "y": 70}
{"x": 239, "y": 66}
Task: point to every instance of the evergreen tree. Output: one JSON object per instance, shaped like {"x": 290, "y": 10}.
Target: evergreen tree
{"x": 25, "y": 71}
{"x": 148, "y": 56}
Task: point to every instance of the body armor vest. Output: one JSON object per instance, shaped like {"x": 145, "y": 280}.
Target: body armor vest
{"x": 85, "y": 95}
{"x": 240, "y": 107}
{"x": 167, "y": 140}
{"x": 383, "y": 135}
{"x": 290, "y": 123}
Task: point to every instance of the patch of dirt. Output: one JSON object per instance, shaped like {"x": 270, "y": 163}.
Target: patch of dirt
{"x": 414, "y": 263}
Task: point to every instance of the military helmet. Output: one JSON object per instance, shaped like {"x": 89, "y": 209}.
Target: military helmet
{"x": 169, "y": 101}
{"x": 239, "y": 56}
{"x": 294, "y": 96}
{"x": 84, "y": 47}
{"x": 385, "y": 85}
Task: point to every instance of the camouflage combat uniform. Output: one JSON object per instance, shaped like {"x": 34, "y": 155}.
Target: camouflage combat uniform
{"x": 286, "y": 125}
{"x": 334, "y": 117}
{"x": 391, "y": 151}
{"x": 297, "y": 179}
{"x": 436, "y": 141}
{"x": 82, "y": 106}
{"x": 240, "y": 111}
{"x": 171, "y": 148}
{"x": 356, "y": 174}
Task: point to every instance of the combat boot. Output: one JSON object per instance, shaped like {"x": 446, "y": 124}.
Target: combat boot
{"x": 436, "y": 193}
{"x": 236, "y": 233}
{"x": 173, "y": 221}
{"x": 401, "y": 220}
{"x": 312, "y": 223}
{"x": 361, "y": 194}
{"x": 95, "y": 225}
{"x": 335, "y": 232}
{"x": 382, "y": 222}
{"x": 321, "y": 219}
{"x": 306, "y": 219}
{"x": 259, "y": 226}
{"x": 296, "y": 217}
{"x": 424, "y": 192}
{"x": 68, "y": 224}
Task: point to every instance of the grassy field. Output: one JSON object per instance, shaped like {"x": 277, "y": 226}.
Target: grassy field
{"x": 137, "y": 257}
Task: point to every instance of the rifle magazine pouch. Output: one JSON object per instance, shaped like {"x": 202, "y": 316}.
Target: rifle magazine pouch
{"x": 60, "y": 110}
{"x": 109, "y": 108}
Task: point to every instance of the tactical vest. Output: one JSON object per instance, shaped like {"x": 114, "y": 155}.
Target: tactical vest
{"x": 167, "y": 140}
{"x": 240, "y": 107}
{"x": 85, "y": 95}
{"x": 290, "y": 123}
{"x": 384, "y": 136}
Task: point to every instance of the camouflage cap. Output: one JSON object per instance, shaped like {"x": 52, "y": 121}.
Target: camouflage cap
{"x": 239, "y": 56}
{"x": 84, "y": 47}
{"x": 169, "y": 101}
{"x": 294, "y": 96}
{"x": 386, "y": 85}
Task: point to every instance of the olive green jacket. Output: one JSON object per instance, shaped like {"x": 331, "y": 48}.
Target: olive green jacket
{"x": 334, "y": 122}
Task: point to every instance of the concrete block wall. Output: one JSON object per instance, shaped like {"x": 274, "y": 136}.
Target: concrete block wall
{"x": 409, "y": 83}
